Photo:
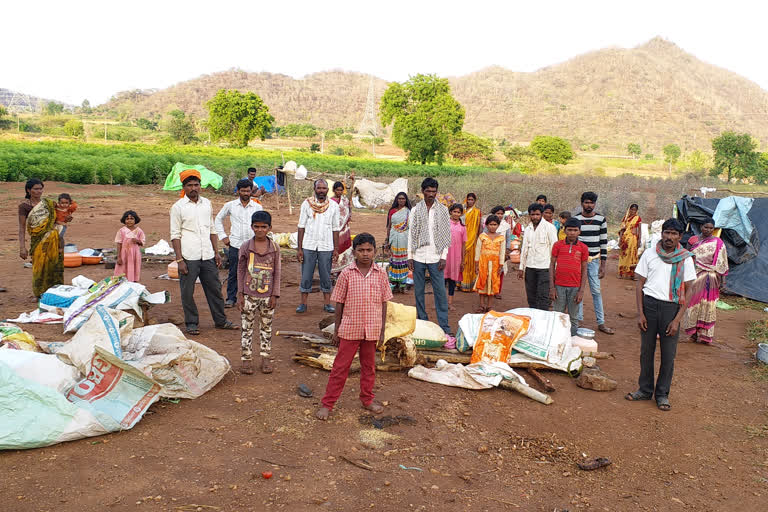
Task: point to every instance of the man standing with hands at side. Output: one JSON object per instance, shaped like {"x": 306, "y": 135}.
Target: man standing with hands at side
{"x": 194, "y": 240}
{"x": 665, "y": 276}
{"x": 239, "y": 212}
{"x": 318, "y": 244}
{"x": 429, "y": 238}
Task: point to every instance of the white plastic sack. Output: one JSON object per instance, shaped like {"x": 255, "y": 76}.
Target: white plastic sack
{"x": 45, "y": 369}
{"x": 82, "y": 282}
{"x": 37, "y": 317}
{"x": 472, "y": 376}
{"x": 60, "y": 297}
{"x": 290, "y": 166}
{"x": 161, "y": 248}
{"x": 301, "y": 173}
{"x": 377, "y": 195}
{"x": 103, "y": 329}
{"x": 547, "y": 334}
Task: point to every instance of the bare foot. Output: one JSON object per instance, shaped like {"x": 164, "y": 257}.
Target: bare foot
{"x": 322, "y": 413}
{"x": 374, "y": 407}
{"x": 451, "y": 307}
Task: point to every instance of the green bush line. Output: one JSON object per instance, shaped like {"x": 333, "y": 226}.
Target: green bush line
{"x": 141, "y": 164}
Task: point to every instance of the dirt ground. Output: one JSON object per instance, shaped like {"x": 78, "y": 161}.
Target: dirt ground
{"x": 475, "y": 450}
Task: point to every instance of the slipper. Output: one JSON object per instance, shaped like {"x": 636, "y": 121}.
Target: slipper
{"x": 193, "y": 331}
{"x": 228, "y": 326}
{"x": 304, "y": 391}
{"x": 606, "y": 330}
{"x": 662, "y": 402}
{"x": 636, "y": 396}
{"x": 596, "y": 463}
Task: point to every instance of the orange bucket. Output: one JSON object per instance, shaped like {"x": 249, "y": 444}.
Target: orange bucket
{"x": 72, "y": 259}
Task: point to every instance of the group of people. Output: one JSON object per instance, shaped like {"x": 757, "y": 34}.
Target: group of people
{"x": 455, "y": 245}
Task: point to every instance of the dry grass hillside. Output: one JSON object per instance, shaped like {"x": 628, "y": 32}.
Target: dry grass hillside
{"x": 653, "y": 94}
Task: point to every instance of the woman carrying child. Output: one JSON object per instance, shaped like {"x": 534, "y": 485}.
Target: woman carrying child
{"x": 129, "y": 240}
{"x": 489, "y": 262}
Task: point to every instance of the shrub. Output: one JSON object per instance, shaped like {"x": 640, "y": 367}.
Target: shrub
{"x": 594, "y": 146}
{"x": 516, "y": 152}
{"x": 314, "y": 147}
{"x": 74, "y": 128}
{"x": 555, "y": 150}
{"x": 649, "y": 156}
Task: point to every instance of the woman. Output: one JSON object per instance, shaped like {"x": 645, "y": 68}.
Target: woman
{"x": 397, "y": 241}
{"x": 37, "y": 216}
{"x": 345, "y": 214}
{"x": 629, "y": 237}
{"x": 711, "y": 261}
{"x": 472, "y": 216}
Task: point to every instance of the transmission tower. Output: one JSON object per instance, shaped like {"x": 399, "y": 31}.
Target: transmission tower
{"x": 21, "y": 102}
{"x": 369, "y": 124}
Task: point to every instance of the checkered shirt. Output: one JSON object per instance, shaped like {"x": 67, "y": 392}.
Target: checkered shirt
{"x": 362, "y": 296}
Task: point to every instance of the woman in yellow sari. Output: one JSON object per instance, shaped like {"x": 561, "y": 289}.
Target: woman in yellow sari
{"x": 629, "y": 240}
{"x": 37, "y": 217}
{"x": 472, "y": 216}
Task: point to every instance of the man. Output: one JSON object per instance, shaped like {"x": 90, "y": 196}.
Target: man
{"x": 193, "y": 237}
{"x": 594, "y": 234}
{"x": 661, "y": 272}
{"x": 541, "y": 199}
{"x": 319, "y": 225}
{"x": 239, "y": 212}
{"x": 535, "y": 255}
{"x": 255, "y": 191}
{"x": 429, "y": 238}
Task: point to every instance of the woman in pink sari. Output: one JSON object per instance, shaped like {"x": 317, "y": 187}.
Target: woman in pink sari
{"x": 711, "y": 261}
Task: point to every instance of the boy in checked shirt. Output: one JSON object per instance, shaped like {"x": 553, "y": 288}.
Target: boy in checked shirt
{"x": 361, "y": 296}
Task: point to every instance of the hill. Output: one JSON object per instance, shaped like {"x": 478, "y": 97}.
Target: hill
{"x": 18, "y": 101}
{"x": 653, "y": 94}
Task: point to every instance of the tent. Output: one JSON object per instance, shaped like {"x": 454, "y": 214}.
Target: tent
{"x": 748, "y": 259}
{"x": 207, "y": 178}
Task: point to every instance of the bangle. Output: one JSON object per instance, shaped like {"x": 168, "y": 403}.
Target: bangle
{"x": 179, "y": 260}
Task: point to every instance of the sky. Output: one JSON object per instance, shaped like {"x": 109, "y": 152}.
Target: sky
{"x": 75, "y": 50}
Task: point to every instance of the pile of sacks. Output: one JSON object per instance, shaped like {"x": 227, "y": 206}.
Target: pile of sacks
{"x": 102, "y": 380}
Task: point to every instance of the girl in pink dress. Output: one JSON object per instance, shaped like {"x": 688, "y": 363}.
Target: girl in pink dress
{"x": 454, "y": 262}
{"x": 129, "y": 240}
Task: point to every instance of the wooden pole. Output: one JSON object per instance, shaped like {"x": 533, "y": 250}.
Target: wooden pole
{"x": 277, "y": 192}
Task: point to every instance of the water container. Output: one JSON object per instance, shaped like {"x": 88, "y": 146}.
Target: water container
{"x": 762, "y": 352}
{"x": 586, "y": 346}
{"x": 587, "y": 334}
{"x": 70, "y": 248}
{"x": 173, "y": 270}
{"x": 72, "y": 259}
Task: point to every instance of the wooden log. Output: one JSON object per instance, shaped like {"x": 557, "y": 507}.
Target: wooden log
{"x": 543, "y": 381}
{"x": 514, "y": 385}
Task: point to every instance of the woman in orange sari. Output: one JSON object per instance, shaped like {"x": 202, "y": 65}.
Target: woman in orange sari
{"x": 472, "y": 216}
{"x": 629, "y": 240}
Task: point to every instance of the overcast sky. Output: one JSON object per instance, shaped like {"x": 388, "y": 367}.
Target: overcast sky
{"x": 92, "y": 49}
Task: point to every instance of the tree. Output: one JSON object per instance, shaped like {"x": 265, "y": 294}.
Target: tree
{"x": 238, "y": 118}
{"x": 552, "y": 149}
{"x": 180, "y": 128}
{"x": 465, "y": 146}
{"x": 425, "y": 116}
{"x": 74, "y": 128}
{"x": 52, "y": 108}
{"x": 146, "y": 124}
{"x": 314, "y": 147}
{"x": 671, "y": 154}
{"x": 86, "y": 107}
{"x": 698, "y": 161}
{"x": 3, "y": 111}
{"x": 735, "y": 155}
{"x": 594, "y": 146}
{"x": 517, "y": 152}
{"x": 634, "y": 149}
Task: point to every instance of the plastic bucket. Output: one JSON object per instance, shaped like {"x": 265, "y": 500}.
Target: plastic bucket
{"x": 70, "y": 248}
{"x": 762, "y": 352}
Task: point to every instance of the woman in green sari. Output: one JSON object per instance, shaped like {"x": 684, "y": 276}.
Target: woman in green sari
{"x": 37, "y": 217}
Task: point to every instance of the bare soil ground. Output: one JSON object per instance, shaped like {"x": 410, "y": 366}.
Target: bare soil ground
{"x": 475, "y": 450}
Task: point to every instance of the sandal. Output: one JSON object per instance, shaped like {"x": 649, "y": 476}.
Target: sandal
{"x": 193, "y": 331}
{"x": 228, "y": 326}
{"x": 636, "y": 396}
{"x": 606, "y": 330}
{"x": 246, "y": 368}
{"x": 662, "y": 402}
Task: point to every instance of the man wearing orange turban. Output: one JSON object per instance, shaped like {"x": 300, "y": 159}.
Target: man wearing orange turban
{"x": 186, "y": 174}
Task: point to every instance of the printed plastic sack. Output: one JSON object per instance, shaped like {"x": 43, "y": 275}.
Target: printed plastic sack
{"x": 498, "y": 333}
{"x": 183, "y": 368}
{"x": 105, "y": 329}
{"x": 548, "y": 334}
{"x": 13, "y": 337}
{"x": 462, "y": 345}
{"x": 60, "y": 297}
{"x": 45, "y": 369}
{"x": 428, "y": 335}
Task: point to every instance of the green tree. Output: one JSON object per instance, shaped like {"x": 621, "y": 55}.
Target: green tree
{"x": 238, "y": 118}
{"x": 760, "y": 174}
{"x": 74, "y": 128}
{"x": 425, "y": 116}
{"x": 698, "y": 161}
{"x": 735, "y": 155}
{"x": 53, "y": 108}
{"x": 465, "y": 146}
{"x": 314, "y": 147}
{"x": 555, "y": 150}
{"x": 634, "y": 149}
{"x": 3, "y": 111}
{"x": 180, "y": 128}
{"x": 86, "y": 107}
{"x": 146, "y": 124}
{"x": 517, "y": 152}
{"x": 593, "y": 147}
{"x": 671, "y": 154}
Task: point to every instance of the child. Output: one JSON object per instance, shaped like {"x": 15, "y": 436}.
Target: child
{"x": 64, "y": 210}
{"x": 541, "y": 199}
{"x": 489, "y": 263}
{"x": 564, "y": 216}
{"x": 568, "y": 272}
{"x": 549, "y": 215}
{"x": 509, "y": 229}
{"x": 454, "y": 262}
{"x": 258, "y": 288}
{"x": 129, "y": 240}
{"x": 361, "y": 296}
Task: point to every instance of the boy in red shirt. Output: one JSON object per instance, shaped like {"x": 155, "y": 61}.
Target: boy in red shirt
{"x": 568, "y": 272}
{"x": 361, "y": 294}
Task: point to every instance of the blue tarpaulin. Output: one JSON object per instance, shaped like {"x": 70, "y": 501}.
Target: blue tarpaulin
{"x": 268, "y": 182}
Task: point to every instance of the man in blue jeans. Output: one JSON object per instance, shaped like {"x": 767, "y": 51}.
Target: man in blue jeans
{"x": 594, "y": 234}
{"x": 429, "y": 237}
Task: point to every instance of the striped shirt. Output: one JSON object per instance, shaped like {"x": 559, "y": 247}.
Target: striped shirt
{"x": 594, "y": 234}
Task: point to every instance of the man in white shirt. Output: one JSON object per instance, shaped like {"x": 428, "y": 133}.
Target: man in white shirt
{"x": 319, "y": 226}
{"x": 661, "y": 272}
{"x": 429, "y": 237}
{"x": 194, "y": 240}
{"x": 239, "y": 212}
{"x": 535, "y": 255}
